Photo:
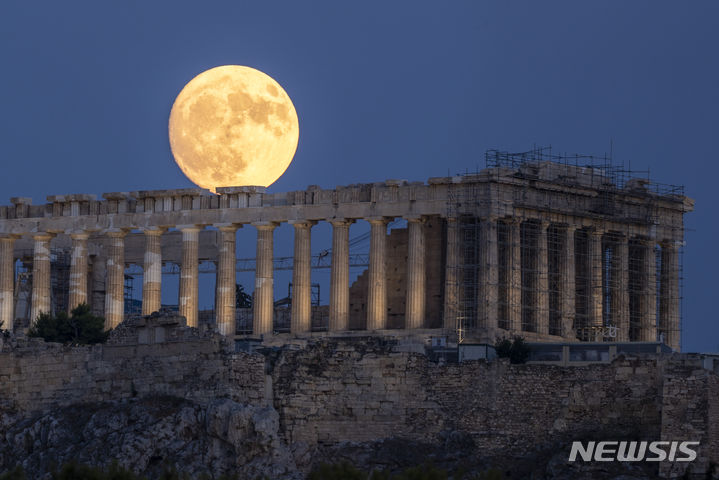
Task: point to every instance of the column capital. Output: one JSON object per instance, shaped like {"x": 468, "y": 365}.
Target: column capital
{"x": 647, "y": 242}
{"x": 190, "y": 227}
{"x": 414, "y": 218}
{"x": 377, "y": 220}
{"x": 10, "y": 236}
{"x": 154, "y": 231}
{"x": 227, "y": 227}
{"x": 595, "y": 231}
{"x": 80, "y": 235}
{"x": 673, "y": 244}
{"x": 544, "y": 224}
{"x": 489, "y": 218}
{"x": 511, "y": 220}
{"x": 265, "y": 225}
{"x": 302, "y": 223}
{"x": 116, "y": 232}
{"x": 42, "y": 235}
{"x": 341, "y": 222}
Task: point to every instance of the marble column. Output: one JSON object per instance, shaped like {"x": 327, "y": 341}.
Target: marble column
{"x": 451, "y": 276}
{"x": 594, "y": 302}
{"x": 377, "y": 294}
{"x": 488, "y": 294}
{"x": 7, "y": 281}
{"x": 567, "y": 283}
{"x": 301, "y": 315}
{"x": 514, "y": 275}
{"x": 416, "y": 274}
{"x": 339, "y": 276}
{"x": 263, "y": 302}
{"x": 648, "y": 301}
{"x": 152, "y": 271}
{"x": 669, "y": 313}
{"x": 189, "y": 275}
{"x": 619, "y": 287}
{"x": 225, "y": 284}
{"x": 541, "y": 311}
{"x": 115, "y": 279}
{"x": 40, "y": 276}
{"x": 78, "y": 270}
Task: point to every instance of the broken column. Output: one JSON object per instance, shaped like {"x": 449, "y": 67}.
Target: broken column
{"x": 263, "y": 300}
{"x": 416, "y": 281}
{"x": 189, "y": 275}
{"x": 78, "y": 270}
{"x": 225, "y": 289}
{"x": 301, "y": 314}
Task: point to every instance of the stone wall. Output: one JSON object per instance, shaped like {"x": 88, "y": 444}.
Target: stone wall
{"x": 333, "y": 393}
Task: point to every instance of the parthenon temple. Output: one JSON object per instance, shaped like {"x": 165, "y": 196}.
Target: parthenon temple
{"x": 533, "y": 245}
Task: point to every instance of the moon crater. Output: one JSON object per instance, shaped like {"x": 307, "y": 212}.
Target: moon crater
{"x": 233, "y": 126}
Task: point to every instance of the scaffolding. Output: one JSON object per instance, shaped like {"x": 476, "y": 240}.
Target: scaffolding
{"x": 623, "y": 280}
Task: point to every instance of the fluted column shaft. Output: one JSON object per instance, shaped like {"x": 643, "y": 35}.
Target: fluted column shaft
{"x": 115, "y": 279}
{"x": 302, "y": 279}
{"x": 542, "y": 298}
{"x": 648, "y": 302}
{"x": 225, "y": 284}
{"x": 152, "y": 272}
{"x": 40, "y": 276}
{"x": 78, "y": 270}
{"x": 489, "y": 275}
{"x": 416, "y": 274}
{"x": 339, "y": 276}
{"x": 567, "y": 283}
{"x": 594, "y": 248}
{"x": 264, "y": 278}
{"x": 451, "y": 275}
{"x": 377, "y": 295}
{"x": 620, "y": 287}
{"x": 669, "y": 299}
{"x": 7, "y": 282}
{"x": 189, "y": 274}
{"x": 514, "y": 279}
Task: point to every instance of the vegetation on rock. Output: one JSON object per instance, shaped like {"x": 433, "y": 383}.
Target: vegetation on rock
{"x": 81, "y": 327}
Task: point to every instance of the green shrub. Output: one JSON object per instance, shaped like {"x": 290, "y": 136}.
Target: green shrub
{"x": 516, "y": 350}
{"x": 80, "y": 327}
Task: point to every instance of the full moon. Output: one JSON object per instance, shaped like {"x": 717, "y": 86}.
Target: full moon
{"x": 233, "y": 126}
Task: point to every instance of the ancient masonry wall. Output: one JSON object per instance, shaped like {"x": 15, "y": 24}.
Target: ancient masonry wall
{"x": 364, "y": 390}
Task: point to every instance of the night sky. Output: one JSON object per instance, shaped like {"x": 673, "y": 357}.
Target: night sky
{"x": 383, "y": 90}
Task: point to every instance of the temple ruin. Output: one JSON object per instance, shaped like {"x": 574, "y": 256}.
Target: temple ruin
{"x": 549, "y": 247}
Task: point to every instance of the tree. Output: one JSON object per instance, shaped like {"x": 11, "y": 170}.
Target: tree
{"x": 516, "y": 350}
{"x": 80, "y": 327}
{"x": 242, "y": 298}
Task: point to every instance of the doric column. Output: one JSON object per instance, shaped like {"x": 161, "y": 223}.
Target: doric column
{"x": 225, "y": 285}
{"x": 7, "y": 281}
{"x": 488, "y": 276}
{"x": 40, "y": 276}
{"x": 377, "y": 295}
{"x": 542, "y": 284}
{"x": 301, "y": 314}
{"x": 451, "y": 275}
{"x": 648, "y": 302}
{"x": 189, "y": 274}
{"x": 416, "y": 273}
{"x": 78, "y": 270}
{"x": 339, "y": 276}
{"x": 620, "y": 287}
{"x": 514, "y": 275}
{"x": 115, "y": 279}
{"x": 669, "y": 298}
{"x": 594, "y": 249}
{"x": 152, "y": 271}
{"x": 263, "y": 302}
{"x": 567, "y": 283}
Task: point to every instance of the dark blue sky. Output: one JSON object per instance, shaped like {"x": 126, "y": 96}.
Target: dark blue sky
{"x": 383, "y": 90}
